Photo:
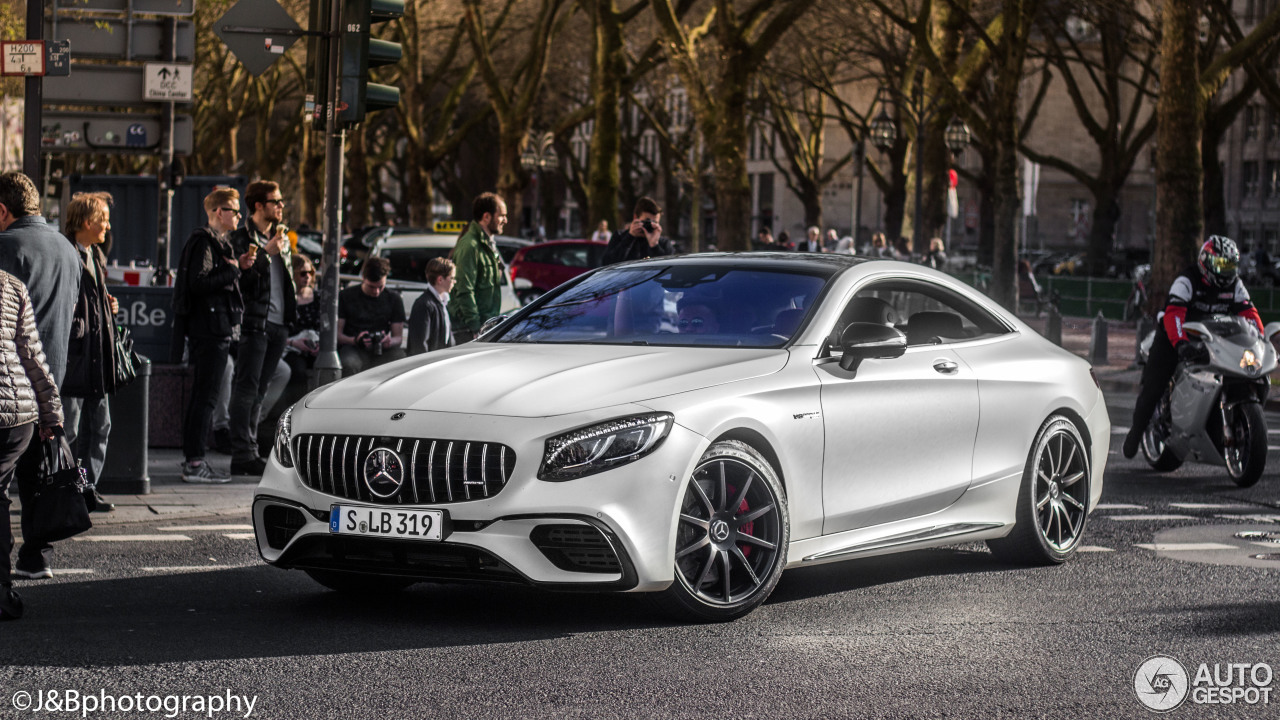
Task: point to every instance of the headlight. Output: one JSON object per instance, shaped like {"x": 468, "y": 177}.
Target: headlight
{"x": 284, "y": 434}
{"x": 594, "y": 449}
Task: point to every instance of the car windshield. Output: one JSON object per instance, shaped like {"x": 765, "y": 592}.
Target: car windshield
{"x": 676, "y": 305}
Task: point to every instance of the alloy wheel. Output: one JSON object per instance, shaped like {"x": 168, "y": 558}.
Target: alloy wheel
{"x": 1061, "y": 497}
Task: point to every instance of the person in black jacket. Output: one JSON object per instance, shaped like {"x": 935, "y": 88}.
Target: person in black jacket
{"x": 642, "y": 238}
{"x": 428, "y": 319}
{"x": 270, "y": 306}
{"x": 207, "y": 309}
{"x": 91, "y": 358}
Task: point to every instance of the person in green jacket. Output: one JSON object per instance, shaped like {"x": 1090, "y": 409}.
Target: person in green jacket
{"x": 477, "y": 295}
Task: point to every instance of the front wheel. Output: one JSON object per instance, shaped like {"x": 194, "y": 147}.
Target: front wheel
{"x": 1157, "y": 453}
{"x": 732, "y": 535}
{"x": 1053, "y": 500}
{"x": 1247, "y": 458}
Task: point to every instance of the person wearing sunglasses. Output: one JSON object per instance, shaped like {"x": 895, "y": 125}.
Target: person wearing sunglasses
{"x": 270, "y": 306}
{"x": 1210, "y": 287}
{"x": 207, "y": 310}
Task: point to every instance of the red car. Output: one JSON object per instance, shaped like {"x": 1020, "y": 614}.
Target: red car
{"x": 538, "y": 268}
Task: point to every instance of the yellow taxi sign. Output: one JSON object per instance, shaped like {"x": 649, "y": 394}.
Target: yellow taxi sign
{"x": 449, "y": 226}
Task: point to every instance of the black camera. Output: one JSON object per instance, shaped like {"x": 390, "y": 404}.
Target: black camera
{"x": 647, "y": 224}
{"x": 375, "y": 340}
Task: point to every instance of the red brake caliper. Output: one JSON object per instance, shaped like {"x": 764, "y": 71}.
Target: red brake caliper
{"x": 746, "y": 529}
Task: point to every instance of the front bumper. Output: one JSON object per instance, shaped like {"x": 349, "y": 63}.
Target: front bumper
{"x": 610, "y": 531}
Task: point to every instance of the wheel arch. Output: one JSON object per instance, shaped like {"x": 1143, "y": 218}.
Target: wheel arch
{"x": 761, "y": 445}
{"x": 1076, "y": 419}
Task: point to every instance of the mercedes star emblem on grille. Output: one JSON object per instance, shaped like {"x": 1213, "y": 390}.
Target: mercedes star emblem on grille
{"x": 383, "y": 472}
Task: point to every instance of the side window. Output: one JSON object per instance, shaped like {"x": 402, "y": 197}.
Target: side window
{"x": 538, "y": 255}
{"x": 928, "y": 314}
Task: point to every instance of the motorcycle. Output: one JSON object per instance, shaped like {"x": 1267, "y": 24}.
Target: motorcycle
{"x": 1212, "y": 411}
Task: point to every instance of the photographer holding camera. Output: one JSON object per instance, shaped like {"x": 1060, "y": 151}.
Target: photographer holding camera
{"x": 642, "y": 238}
{"x": 370, "y": 320}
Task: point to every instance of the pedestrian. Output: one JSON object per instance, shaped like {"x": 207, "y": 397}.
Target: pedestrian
{"x": 91, "y": 358}
{"x": 207, "y": 309}
{"x": 304, "y": 333}
{"x": 477, "y": 295}
{"x": 35, "y": 253}
{"x": 602, "y": 232}
{"x": 880, "y": 247}
{"x": 429, "y": 319}
{"x": 28, "y": 395}
{"x": 902, "y": 250}
{"x": 832, "y": 241}
{"x": 783, "y": 242}
{"x": 937, "y": 257}
{"x": 270, "y": 304}
{"x": 370, "y": 320}
{"x": 642, "y": 238}
{"x": 764, "y": 240}
{"x": 813, "y": 241}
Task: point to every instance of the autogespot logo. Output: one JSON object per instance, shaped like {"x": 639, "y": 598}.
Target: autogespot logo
{"x": 1161, "y": 683}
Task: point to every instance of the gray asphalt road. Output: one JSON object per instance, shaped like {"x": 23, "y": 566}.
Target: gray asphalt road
{"x": 943, "y": 633}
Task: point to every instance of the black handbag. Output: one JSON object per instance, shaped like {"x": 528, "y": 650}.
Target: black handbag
{"x": 58, "y": 509}
{"x": 127, "y": 359}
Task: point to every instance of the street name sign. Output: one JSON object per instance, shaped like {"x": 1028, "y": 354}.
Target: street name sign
{"x": 110, "y": 39}
{"x": 22, "y": 57}
{"x": 110, "y": 85}
{"x": 257, "y": 32}
{"x": 88, "y": 132}
{"x": 147, "y": 7}
{"x": 167, "y": 82}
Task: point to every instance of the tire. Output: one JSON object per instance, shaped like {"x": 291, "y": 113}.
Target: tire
{"x": 1247, "y": 460}
{"x": 1154, "y": 449}
{"x": 1053, "y": 500}
{"x": 351, "y": 583}
{"x": 732, "y": 536}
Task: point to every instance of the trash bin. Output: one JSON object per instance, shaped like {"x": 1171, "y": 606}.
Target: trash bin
{"x": 125, "y": 472}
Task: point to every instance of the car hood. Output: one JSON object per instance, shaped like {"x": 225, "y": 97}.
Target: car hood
{"x": 527, "y": 380}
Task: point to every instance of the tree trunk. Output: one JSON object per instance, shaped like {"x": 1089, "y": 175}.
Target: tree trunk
{"x": 419, "y": 192}
{"x": 1215, "y": 203}
{"x": 1179, "y": 175}
{"x": 511, "y": 182}
{"x": 728, "y": 142}
{"x": 609, "y": 68}
{"x": 1106, "y": 215}
{"x": 1004, "y": 260}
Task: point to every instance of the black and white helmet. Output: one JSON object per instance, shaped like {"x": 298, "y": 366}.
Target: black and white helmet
{"x": 1219, "y": 261}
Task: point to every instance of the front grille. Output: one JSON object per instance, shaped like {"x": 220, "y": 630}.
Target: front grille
{"x": 281, "y": 524}
{"x": 434, "y": 471}
{"x": 576, "y": 548}
{"x": 403, "y": 558}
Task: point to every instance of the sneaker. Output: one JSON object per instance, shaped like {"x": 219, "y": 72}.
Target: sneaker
{"x": 1131, "y": 442}
{"x": 202, "y": 472}
{"x": 254, "y": 467}
{"x": 41, "y": 573}
{"x": 96, "y": 502}
{"x": 222, "y": 441}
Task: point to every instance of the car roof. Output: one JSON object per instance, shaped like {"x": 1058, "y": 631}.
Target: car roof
{"x": 421, "y": 240}
{"x": 827, "y": 263}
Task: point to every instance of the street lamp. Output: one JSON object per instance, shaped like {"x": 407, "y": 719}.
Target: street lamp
{"x": 538, "y": 155}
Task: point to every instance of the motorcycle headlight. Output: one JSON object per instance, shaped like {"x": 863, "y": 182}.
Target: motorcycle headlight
{"x": 284, "y": 434}
{"x": 597, "y": 448}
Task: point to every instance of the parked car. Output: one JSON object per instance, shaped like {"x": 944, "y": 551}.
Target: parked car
{"x": 539, "y": 268}
{"x": 508, "y": 247}
{"x": 690, "y": 427}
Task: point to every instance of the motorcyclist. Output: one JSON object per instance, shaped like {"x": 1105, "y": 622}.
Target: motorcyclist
{"x": 1211, "y": 286}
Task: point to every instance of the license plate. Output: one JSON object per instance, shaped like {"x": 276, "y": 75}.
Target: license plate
{"x": 386, "y": 522}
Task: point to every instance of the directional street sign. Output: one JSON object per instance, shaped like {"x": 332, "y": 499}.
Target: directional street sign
{"x": 147, "y": 7}
{"x": 110, "y": 132}
{"x": 257, "y": 32}
{"x": 110, "y": 39}
{"x": 22, "y": 57}
{"x": 110, "y": 85}
{"x": 167, "y": 82}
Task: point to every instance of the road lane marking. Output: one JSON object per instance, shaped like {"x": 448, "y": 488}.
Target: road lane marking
{"x": 239, "y": 536}
{"x": 129, "y": 538}
{"x": 1119, "y": 506}
{"x": 89, "y": 571}
{"x": 1094, "y": 548}
{"x": 1211, "y": 506}
{"x": 183, "y": 528}
{"x": 1251, "y": 518}
{"x": 1146, "y": 517}
{"x": 186, "y": 568}
{"x": 1185, "y": 547}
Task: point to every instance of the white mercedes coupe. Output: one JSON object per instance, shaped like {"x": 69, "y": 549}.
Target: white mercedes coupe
{"x": 691, "y": 427}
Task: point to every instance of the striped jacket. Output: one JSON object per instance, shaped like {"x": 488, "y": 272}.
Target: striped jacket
{"x": 27, "y": 390}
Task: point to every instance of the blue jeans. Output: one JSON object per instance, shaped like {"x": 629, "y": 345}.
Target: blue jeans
{"x": 87, "y": 426}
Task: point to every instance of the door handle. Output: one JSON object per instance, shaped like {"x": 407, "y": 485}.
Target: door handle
{"x": 946, "y": 367}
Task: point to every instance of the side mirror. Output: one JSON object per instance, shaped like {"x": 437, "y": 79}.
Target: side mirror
{"x": 861, "y": 341}
{"x": 494, "y": 322}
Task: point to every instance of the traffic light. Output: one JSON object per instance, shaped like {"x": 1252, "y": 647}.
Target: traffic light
{"x": 360, "y": 53}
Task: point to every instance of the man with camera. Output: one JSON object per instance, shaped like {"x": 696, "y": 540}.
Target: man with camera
{"x": 370, "y": 320}
{"x": 270, "y": 305}
{"x": 642, "y": 238}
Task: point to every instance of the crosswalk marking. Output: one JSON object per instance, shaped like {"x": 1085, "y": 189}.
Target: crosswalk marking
{"x": 72, "y": 571}
{"x": 185, "y": 528}
{"x": 1119, "y": 506}
{"x": 239, "y": 536}
{"x": 1147, "y": 517}
{"x": 129, "y": 538}
{"x": 1252, "y": 518}
{"x": 1184, "y": 547}
{"x": 186, "y": 568}
{"x": 1094, "y": 548}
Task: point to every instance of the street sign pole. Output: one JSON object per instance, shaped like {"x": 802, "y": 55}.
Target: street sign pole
{"x": 31, "y": 130}
{"x": 328, "y": 367}
{"x": 163, "y": 275}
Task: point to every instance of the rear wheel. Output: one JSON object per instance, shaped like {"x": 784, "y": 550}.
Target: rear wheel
{"x": 350, "y": 583}
{"x": 1247, "y": 458}
{"x": 731, "y": 542}
{"x": 1053, "y": 500}
{"x": 1154, "y": 449}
